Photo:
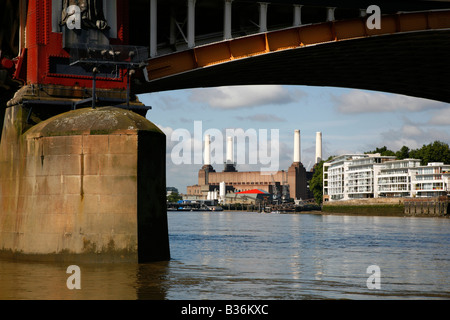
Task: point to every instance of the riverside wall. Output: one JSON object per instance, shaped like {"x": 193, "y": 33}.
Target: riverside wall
{"x": 419, "y": 207}
{"x": 87, "y": 185}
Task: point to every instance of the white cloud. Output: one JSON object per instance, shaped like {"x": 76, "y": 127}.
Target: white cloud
{"x": 234, "y": 97}
{"x": 261, "y": 117}
{"x": 441, "y": 117}
{"x": 409, "y": 130}
{"x": 167, "y": 100}
{"x": 358, "y": 101}
{"x": 412, "y": 136}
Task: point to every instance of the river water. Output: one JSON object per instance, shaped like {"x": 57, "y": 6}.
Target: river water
{"x": 241, "y": 256}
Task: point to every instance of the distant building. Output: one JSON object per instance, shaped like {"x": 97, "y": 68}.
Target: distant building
{"x": 351, "y": 176}
{"x": 431, "y": 180}
{"x": 333, "y": 176}
{"x": 360, "y": 176}
{"x": 170, "y": 190}
{"x": 393, "y": 178}
{"x": 357, "y": 176}
{"x": 292, "y": 183}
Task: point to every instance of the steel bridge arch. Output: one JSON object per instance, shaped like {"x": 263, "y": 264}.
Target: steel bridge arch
{"x": 408, "y": 55}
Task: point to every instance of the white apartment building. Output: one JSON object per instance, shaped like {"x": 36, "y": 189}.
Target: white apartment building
{"x": 361, "y": 180}
{"x": 431, "y": 180}
{"x": 357, "y": 176}
{"x": 334, "y": 172}
{"x": 393, "y": 178}
{"x": 350, "y": 176}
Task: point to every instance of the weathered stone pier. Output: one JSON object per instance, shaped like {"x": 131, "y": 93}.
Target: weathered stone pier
{"x": 88, "y": 184}
{"x": 82, "y": 171}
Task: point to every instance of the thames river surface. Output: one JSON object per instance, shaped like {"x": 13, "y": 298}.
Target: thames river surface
{"x": 240, "y": 255}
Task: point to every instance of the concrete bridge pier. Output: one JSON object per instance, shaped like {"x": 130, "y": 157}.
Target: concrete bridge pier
{"x": 88, "y": 185}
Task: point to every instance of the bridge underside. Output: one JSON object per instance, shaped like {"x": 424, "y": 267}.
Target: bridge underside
{"x": 414, "y": 64}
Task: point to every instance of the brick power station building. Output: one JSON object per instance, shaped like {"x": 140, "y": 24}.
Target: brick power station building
{"x": 290, "y": 183}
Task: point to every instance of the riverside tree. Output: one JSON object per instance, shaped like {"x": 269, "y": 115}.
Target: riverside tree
{"x": 316, "y": 183}
{"x": 436, "y": 151}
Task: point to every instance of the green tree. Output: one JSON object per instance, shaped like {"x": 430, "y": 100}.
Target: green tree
{"x": 174, "y": 197}
{"x": 435, "y": 152}
{"x": 384, "y": 151}
{"x": 417, "y": 154}
{"x": 316, "y": 183}
{"x": 403, "y": 153}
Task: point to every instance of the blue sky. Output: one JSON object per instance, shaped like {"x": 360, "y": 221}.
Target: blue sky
{"x": 350, "y": 120}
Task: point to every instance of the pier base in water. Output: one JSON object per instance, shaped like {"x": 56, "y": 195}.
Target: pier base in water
{"x": 88, "y": 184}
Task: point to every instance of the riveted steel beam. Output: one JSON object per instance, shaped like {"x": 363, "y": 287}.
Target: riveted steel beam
{"x": 292, "y": 38}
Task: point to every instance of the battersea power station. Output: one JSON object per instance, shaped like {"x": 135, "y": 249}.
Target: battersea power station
{"x": 282, "y": 185}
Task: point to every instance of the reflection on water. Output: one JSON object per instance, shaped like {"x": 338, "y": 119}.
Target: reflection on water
{"x": 263, "y": 256}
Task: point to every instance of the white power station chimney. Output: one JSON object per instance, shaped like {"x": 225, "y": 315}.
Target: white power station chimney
{"x": 222, "y": 191}
{"x": 297, "y": 146}
{"x": 318, "y": 147}
{"x": 207, "y": 155}
{"x": 230, "y": 155}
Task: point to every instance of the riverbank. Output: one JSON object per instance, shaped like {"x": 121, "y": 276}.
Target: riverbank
{"x": 392, "y": 207}
{"x": 400, "y": 207}
{"x": 378, "y": 210}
